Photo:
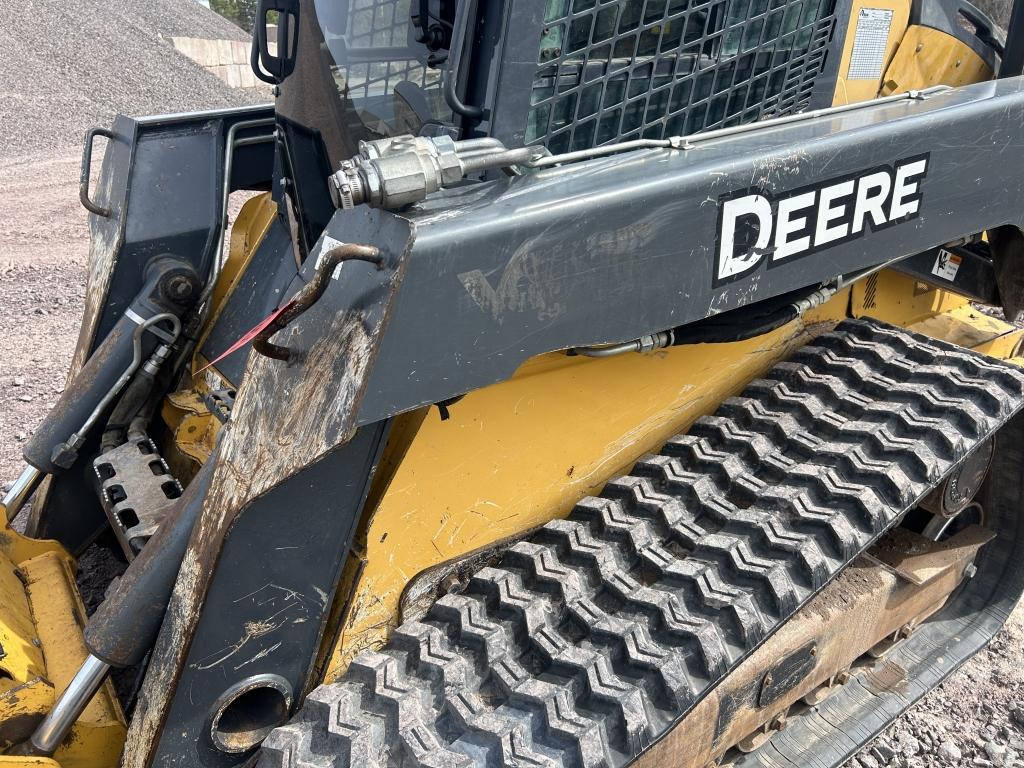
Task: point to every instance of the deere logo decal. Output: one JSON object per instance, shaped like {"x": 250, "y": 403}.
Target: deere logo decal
{"x": 755, "y": 226}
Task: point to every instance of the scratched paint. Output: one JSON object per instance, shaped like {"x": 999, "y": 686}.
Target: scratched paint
{"x": 283, "y": 419}
{"x": 281, "y": 606}
{"x": 532, "y": 277}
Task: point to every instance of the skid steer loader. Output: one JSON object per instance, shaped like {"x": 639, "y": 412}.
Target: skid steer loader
{"x": 582, "y": 383}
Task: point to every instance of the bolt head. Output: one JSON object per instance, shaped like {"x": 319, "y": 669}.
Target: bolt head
{"x": 452, "y": 583}
{"x": 179, "y": 288}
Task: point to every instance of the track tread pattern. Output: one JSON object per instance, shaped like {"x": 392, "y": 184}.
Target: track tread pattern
{"x": 589, "y": 640}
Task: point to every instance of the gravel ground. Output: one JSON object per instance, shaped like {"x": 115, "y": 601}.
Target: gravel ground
{"x": 102, "y": 57}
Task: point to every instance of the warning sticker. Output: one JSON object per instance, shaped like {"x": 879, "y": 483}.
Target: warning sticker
{"x": 946, "y": 265}
{"x": 869, "y": 44}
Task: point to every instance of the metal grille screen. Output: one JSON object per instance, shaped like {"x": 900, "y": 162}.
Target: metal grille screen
{"x": 375, "y": 55}
{"x": 610, "y": 70}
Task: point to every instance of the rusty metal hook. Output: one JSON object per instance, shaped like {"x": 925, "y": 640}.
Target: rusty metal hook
{"x": 311, "y": 293}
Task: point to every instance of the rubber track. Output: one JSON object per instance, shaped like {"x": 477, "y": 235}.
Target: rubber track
{"x": 589, "y": 640}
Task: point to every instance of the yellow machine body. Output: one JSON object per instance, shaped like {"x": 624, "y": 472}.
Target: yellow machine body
{"x": 41, "y": 621}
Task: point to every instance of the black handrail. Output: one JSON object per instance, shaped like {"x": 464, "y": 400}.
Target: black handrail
{"x": 83, "y": 184}
{"x": 464, "y": 16}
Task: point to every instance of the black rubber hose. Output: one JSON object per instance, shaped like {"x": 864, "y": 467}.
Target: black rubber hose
{"x": 125, "y": 626}
{"x": 135, "y": 396}
{"x": 743, "y": 323}
{"x": 139, "y": 426}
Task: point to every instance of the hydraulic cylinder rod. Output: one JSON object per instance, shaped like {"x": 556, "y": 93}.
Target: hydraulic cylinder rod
{"x": 76, "y": 697}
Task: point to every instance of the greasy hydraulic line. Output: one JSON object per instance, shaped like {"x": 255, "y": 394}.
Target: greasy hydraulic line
{"x": 740, "y": 330}
{"x": 152, "y": 365}
{"x": 32, "y": 476}
{"x": 395, "y": 172}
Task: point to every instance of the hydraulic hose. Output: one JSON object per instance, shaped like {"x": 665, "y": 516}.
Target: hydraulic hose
{"x": 83, "y": 394}
{"x": 743, "y": 323}
{"x": 135, "y": 396}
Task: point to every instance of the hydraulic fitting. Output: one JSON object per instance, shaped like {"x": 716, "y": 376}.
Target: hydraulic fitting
{"x": 393, "y": 173}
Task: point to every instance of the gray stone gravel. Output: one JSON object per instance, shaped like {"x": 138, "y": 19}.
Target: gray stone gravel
{"x": 72, "y": 64}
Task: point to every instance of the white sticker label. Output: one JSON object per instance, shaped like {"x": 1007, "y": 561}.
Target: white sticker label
{"x": 946, "y": 265}
{"x": 325, "y": 245}
{"x": 869, "y": 44}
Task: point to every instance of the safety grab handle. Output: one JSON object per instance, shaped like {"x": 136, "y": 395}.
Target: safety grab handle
{"x": 83, "y": 184}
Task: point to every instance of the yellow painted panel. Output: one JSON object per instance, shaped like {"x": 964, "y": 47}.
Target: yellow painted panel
{"x": 967, "y": 327}
{"x": 22, "y": 708}
{"x": 97, "y": 738}
{"x": 193, "y": 432}
{"x": 1006, "y": 347}
{"x": 929, "y": 57}
{"x": 7, "y": 761}
{"x": 19, "y": 548}
{"x": 901, "y": 300}
{"x": 41, "y": 618}
{"x": 249, "y": 229}
{"x": 849, "y": 91}
{"x": 25, "y": 694}
{"x": 519, "y": 453}
{"x": 22, "y": 659}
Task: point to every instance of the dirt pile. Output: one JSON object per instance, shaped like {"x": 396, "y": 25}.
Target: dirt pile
{"x": 73, "y": 64}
